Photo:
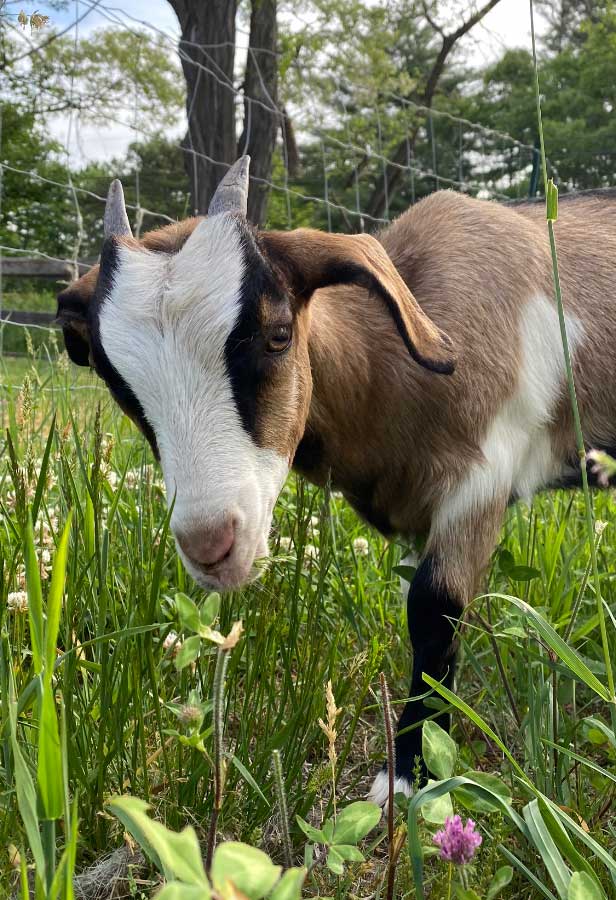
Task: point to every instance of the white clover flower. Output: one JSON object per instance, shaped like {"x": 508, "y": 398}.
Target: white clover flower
{"x": 132, "y": 479}
{"x": 285, "y": 543}
{"x": 112, "y": 478}
{"x": 361, "y": 546}
{"x": 45, "y": 557}
{"x": 171, "y": 642}
{"x": 17, "y": 601}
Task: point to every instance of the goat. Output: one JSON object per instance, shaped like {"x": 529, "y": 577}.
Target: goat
{"x": 421, "y": 372}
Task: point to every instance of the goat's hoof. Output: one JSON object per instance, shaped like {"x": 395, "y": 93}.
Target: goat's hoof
{"x": 379, "y": 792}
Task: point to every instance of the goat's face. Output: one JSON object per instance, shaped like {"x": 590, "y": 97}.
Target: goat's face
{"x": 206, "y": 352}
{"x": 204, "y": 343}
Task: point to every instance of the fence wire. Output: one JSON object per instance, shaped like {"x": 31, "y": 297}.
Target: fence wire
{"x": 349, "y": 161}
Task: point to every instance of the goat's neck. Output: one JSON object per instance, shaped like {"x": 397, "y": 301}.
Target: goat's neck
{"x": 360, "y": 420}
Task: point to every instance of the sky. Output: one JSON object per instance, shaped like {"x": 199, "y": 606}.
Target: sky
{"x": 507, "y": 25}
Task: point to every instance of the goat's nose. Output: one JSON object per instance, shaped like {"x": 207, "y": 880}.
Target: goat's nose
{"x": 208, "y": 546}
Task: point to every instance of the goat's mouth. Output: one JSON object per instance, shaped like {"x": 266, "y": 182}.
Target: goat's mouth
{"x": 235, "y": 570}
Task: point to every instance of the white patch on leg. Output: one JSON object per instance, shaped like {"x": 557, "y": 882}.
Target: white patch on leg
{"x": 379, "y": 792}
{"x": 517, "y": 451}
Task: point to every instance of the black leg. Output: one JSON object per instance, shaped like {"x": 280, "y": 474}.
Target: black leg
{"x": 432, "y": 613}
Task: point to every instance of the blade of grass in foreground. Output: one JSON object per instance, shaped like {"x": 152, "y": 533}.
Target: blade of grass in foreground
{"x": 551, "y": 193}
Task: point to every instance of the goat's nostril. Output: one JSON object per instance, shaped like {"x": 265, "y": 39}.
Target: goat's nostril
{"x": 209, "y": 546}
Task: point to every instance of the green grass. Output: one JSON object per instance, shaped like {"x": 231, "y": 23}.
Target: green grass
{"x": 321, "y": 611}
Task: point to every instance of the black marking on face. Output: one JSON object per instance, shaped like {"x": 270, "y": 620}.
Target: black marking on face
{"x": 248, "y": 364}
{"x": 119, "y": 388}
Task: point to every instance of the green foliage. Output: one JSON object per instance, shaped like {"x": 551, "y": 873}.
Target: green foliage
{"x": 580, "y": 79}
{"x": 237, "y": 869}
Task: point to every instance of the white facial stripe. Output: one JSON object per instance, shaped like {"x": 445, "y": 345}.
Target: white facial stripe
{"x": 517, "y": 449}
{"x": 164, "y": 328}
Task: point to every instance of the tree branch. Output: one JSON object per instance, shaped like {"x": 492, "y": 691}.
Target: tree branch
{"x": 388, "y": 183}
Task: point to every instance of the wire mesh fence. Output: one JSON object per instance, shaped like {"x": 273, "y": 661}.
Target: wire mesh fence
{"x": 362, "y": 163}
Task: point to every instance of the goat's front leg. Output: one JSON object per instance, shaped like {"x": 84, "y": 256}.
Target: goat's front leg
{"x": 456, "y": 554}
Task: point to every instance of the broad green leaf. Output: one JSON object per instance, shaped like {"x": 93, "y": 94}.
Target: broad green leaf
{"x": 290, "y": 885}
{"x": 501, "y": 879}
{"x": 335, "y": 862}
{"x": 506, "y": 561}
{"x": 211, "y": 634}
{"x": 209, "y": 609}
{"x": 349, "y": 853}
{"x": 188, "y": 652}
{"x": 439, "y": 750}
{"x": 328, "y": 831}
{"x": 547, "y": 849}
{"x": 436, "y": 811}
{"x": 523, "y": 573}
{"x": 554, "y": 641}
{"x": 250, "y": 870}
{"x": 178, "y": 856}
{"x": 601, "y": 727}
{"x": 187, "y": 612}
{"x": 355, "y": 821}
{"x": 313, "y": 834}
{"x": 479, "y": 804}
{"x": 582, "y": 887}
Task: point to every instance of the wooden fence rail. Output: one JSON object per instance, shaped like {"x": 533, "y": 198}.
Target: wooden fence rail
{"x": 38, "y": 267}
{"x": 25, "y": 317}
{"x": 35, "y": 267}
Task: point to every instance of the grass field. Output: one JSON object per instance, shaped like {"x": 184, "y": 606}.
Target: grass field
{"x": 133, "y": 688}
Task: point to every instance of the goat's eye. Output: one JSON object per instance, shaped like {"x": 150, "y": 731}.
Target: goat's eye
{"x": 279, "y": 339}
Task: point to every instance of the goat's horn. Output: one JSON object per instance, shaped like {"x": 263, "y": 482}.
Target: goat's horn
{"x": 116, "y": 220}
{"x": 231, "y": 195}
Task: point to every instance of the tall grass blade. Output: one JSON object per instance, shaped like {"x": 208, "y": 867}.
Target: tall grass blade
{"x": 567, "y": 654}
{"x": 25, "y": 790}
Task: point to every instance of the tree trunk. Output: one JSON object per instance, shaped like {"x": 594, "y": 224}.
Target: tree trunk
{"x": 207, "y": 52}
{"x": 210, "y": 142}
{"x": 262, "y": 118}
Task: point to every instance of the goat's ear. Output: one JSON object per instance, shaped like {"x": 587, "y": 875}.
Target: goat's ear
{"x": 311, "y": 259}
{"x": 72, "y": 315}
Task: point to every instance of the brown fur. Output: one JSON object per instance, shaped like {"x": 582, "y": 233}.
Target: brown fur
{"x": 394, "y": 436}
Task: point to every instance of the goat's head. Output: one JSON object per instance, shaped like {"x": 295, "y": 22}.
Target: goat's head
{"x": 201, "y": 335}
